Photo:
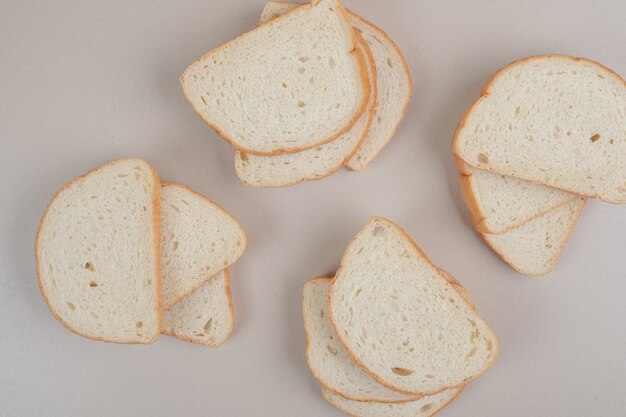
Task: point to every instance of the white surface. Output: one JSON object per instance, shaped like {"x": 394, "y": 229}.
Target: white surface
{"x": 83, "y": 83}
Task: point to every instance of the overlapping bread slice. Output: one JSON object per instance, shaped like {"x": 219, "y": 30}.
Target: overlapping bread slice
{"x": 291, "y": 84}
{"x": 205, "y": 316}
{"x": 401, "y": 320}
{"x": 199, "y": 240}
{"x": 315, "y": 163}
{"x": 534, "y": 247}
{"x": 554, "y": 120}
{"x": 97, "y": 251}
{"x": 426, "y": 406}
{"x": 393, "y": 81}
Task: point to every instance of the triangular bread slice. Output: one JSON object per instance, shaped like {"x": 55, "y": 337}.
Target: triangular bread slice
{"x": 199, "y": 240}
{"x": 499, "y": 203}
{"x": 97, "y": 250}
{"x": 315, "y": 163}
{"x": 534, "y": 247}
{"x": 205, "y": 316}
{"x": 291, "y": 84}
{"x": 388, "y": 305}
{"x": 554, "y": 120}
{"x": 327, "y": 358}
{"x": 393, "y": 84}
{"x": 426, "y": 406}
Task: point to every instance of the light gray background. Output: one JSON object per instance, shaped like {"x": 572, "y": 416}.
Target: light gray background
{"x": 85, "y": 82}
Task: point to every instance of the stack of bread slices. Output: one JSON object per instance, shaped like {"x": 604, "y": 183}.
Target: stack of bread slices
{"x": 390, "y": 334}
{"x": 122, "y": 257}
{"x": 313, "y": 88}
{"x": 547, "y": 133}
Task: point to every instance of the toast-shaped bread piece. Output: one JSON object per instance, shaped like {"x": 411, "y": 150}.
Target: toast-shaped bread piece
{"x": 328, "y": 360}
{"x": 498, "y": 203}
{"x": 315, "y": 163}
{"x": 199, "y": 240}
{"x": 97, "y": 250}
{"x": 393, "y": 84}
{"x": 388, "y": 305}
{"x": 534, "y": 247}
{"x": 425, "y": 406}
{"x": 291, "y": 84}
{"x": 554, "y": 120}
{"x": 205, "y": 316}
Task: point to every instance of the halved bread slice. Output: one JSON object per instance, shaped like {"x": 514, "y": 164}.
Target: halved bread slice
{"x": 292, "y": 84}
{"x": 97, "y": 250}
{"x": 393, "y": 84}
{"x": 426, "y": 406}
{"x": 554, "y": 120}
{"x": 534, "y": 247}
{"x": 205, "y": 316}
{"x": 328, "y": 360}
{"x": 315, "y": 163}
{"x": 199, "y": 240}
{"x": 401, "y": 320}
{"x": 499, "y": 203}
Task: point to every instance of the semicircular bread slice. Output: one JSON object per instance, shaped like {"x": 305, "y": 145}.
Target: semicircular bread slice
{"x": 401, "y": 320}
{"x": 199, "y": 240}
{"x": 327, "y": 358}
{"x": 205, "y": 316}
{"x": 426, "y": 406}
{"x": 554, "y": 120}
{"x": 315, "y": 163}
{"x": 498, "y": 203}
{"x": 97, "y": 250}
{"x": 393, "y": 84}
{"x": 291, "y": 84}
{"x": 534, "y": 247}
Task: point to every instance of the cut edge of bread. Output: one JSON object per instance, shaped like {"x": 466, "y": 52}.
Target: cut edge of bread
{"x": 485, "y": 92}
{"x": 156, "y": 230}
{"x": 441, "y": 274}
{"x": 231, "y": 313}
{"x": 363, "y": 81}
{"x": 224, "y": 212}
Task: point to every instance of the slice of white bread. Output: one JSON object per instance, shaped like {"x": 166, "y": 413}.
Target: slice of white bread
{"x": 393, "y": 84}
{"x": 293, "y": 83}
{"x": 199, "y": 240}
{"x": 554, "y": 120}
{"x": 97, "y": 250}
{"x": 534, "y": 247}
{"x": 422, "y": 407}
{"x": 328, "y": 360}
{"x": 401, "y": 320}
{"x": 499, "y": 203}
{"x": 205, "y": 316}
{"x": 315, "y": 163}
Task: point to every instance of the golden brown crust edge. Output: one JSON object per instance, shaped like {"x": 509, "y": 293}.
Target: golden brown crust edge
{"x": 360, "y": 108}
{"x": 485, "y": 92}
{"x": 228, "y": 295}
{"x": 441, "y": 275}
{"x": 370, "y": 115}
{"x": 233, "y": 219}
{"x": 156, "y": 226}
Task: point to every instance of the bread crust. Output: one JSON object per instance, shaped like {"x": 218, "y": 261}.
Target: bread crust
{"x": 180, "y": 336}
{"x": 447, "y": 282}
{"x": 317, "y": 375}
{"x": 215, "y": 205}
{"x": 556, "y": 256}
{"x": 156, "y": 232}
{"x": 485, "y": 92}
{"x": 370, "y": 115}
{"x": 363, "y": 81}
{"x": 329, "y": 401}
{"x": 353, "y": 166}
